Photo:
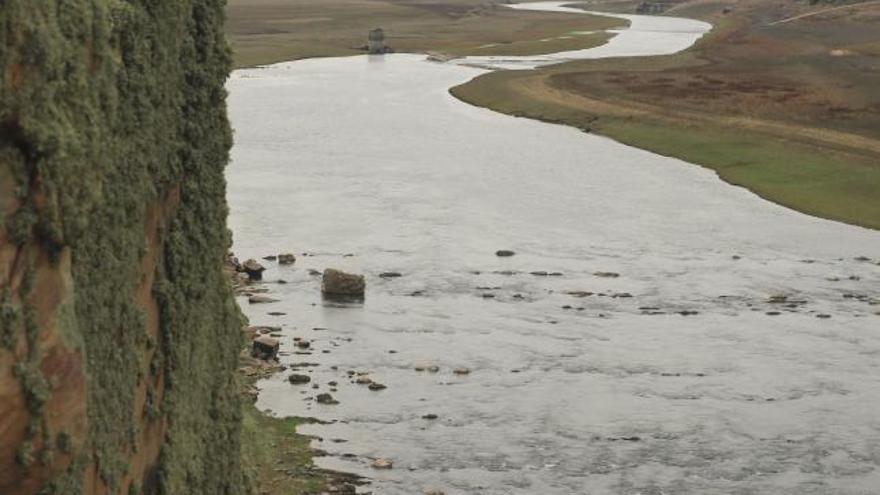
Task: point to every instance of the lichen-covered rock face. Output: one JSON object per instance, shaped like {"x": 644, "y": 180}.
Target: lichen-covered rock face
{"x": 340, "y": 284}
{"x": 119, "y": 336}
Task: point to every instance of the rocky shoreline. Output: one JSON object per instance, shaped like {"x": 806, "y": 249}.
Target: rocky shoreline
{"x": 286, "y": 465}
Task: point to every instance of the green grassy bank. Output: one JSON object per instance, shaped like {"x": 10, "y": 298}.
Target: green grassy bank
{"x": 775, "y": 109}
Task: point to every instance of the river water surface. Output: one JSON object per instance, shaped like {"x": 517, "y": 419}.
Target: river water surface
{"x": 737, "y": 349}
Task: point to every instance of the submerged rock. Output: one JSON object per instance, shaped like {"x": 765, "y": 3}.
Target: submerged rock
{"x": 382, "y": 464}
{"x": 390, "y": 274}
{"x": 286, "y": 259}
{"x": 258, "y": 299}
{"x": 606, "y": 274}
{"x": 777, "y": 299}
{"x": 338, "y": 283}
{"x": 375, "y": 387}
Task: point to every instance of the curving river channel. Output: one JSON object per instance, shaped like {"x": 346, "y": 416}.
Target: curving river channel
{"x": 657, "y": 332}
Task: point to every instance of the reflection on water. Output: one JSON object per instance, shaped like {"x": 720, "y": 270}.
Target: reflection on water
{"x": 735, "y": 351}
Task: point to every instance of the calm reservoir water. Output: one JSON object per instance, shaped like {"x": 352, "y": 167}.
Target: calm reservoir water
{"x": 677, "y": 376}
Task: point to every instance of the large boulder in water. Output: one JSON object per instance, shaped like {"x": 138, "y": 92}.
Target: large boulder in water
{"x": 338, "y": 283}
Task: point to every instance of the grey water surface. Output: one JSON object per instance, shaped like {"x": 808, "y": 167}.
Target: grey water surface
{"x": 687, "y": 373}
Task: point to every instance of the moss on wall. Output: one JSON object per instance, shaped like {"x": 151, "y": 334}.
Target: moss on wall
{"x": 113, "y": 140}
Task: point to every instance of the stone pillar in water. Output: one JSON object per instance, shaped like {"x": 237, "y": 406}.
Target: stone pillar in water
{"x": 376, "y": 43}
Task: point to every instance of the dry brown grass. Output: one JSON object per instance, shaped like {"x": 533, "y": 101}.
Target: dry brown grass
{"x": 266, "y": 31}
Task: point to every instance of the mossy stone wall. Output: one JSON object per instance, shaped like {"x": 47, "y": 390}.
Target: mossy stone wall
{"x": 113, "y": 141}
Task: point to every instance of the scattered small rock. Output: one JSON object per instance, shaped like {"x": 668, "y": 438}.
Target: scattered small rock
{"x": 390, "y": 275}
{"x": 461, "y": 371}
{"x": 506, "y": 273}
{"x": 606, "y": 274}
{"x": 430, "y": 416}
{"x": 286, "y": 259}
{"x": 271, "y": 257}
{"x": 303, "y": 344}
{"x": 260, "y": 299}
{"x": 382, "y": 464}
{"x": 253, "y": 269}
{"x": 375, "y": 387}
{"x": 326, "y": 399}
{"x": 579, "y": 293}
{"x": 296, "y": 379}
{"x": 632, "y": 438}
{"x": 504, "y": 253}
{"x": 363, "y": 380}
